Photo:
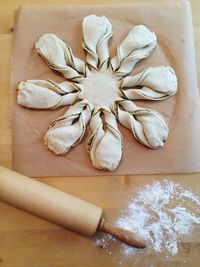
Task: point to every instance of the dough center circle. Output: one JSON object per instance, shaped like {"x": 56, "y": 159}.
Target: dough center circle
{"x": 101, "y": 88}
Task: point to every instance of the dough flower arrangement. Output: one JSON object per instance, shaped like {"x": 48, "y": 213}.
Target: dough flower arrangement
{"x": 100, "y": 92}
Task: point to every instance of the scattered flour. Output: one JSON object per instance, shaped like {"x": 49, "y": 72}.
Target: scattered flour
{"x": 163, "y": 213}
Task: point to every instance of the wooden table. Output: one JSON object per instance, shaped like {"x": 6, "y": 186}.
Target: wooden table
{"x": 28, "y": 241}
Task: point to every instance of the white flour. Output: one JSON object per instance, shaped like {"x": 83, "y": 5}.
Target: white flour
{"x": 163, "y": 213}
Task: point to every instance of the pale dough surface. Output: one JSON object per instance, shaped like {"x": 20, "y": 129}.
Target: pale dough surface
{"x": 101, "y": 88}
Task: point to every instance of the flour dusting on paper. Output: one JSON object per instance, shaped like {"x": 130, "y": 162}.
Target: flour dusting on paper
{"x": 163, "y": 213}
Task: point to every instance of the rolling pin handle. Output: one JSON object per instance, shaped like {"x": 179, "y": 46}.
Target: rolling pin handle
{"x": 123, "y": 235}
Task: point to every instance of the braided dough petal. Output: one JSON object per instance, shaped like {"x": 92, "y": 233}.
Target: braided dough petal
{"x": 58, "y": 55}
{"x": 156, "y": 83}
{"x": 68, "y": 130}
{"x": 148, "y": 126}
{"x": 45, "y": 94}
{"x": 138, "y": 44}
{"x": 96, "y": 33}
{"x": 106, "y": 143}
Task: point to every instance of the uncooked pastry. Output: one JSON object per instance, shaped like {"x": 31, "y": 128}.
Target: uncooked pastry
{"x": 100, "y": 91}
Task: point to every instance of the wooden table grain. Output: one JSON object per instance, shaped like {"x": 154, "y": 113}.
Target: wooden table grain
{"x": 28, "y": 241}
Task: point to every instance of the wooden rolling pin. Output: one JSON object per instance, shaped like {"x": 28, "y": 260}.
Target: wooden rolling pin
{"x": 59, "y": 207}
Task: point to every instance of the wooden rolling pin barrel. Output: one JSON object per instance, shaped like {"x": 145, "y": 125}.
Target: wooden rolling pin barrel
{"x": 59, "y": 207}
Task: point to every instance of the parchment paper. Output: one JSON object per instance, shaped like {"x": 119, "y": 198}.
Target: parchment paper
{"x": 172, "y": 23}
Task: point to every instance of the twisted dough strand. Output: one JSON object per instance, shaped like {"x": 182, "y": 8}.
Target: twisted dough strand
{"x": 156, "y": 83}
{"x": 45, "y": 94}
{"x": 58, "y": 55}
{"x": 96, "y": 33}
{"x": 68, "y": 130}
{"x": 147, "y": 125}
{"x": 106, "y": 143}
{"x": 137, "y": 45}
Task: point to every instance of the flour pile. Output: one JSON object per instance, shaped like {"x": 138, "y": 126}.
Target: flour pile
{"x": 163, "y": 213}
